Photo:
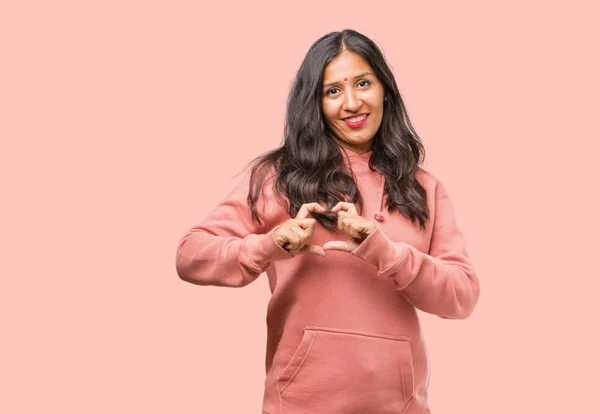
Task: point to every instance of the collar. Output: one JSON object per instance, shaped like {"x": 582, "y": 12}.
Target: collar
{"x": 363, "y": 160}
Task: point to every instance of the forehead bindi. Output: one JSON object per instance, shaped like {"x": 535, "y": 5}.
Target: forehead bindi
{"x": 346, "y": 67}
{"x": 328, "y": 83}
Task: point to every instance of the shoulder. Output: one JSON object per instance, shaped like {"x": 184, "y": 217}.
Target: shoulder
{"x": 261, "y": 176}
{"x": 432, "y": 184}
{"x": 269, "y": 202}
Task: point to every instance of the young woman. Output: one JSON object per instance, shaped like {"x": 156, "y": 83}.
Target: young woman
{"x": 353, "y": 235}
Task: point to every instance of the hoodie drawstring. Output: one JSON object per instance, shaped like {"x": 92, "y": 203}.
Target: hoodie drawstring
{"x": 379, "y": 214}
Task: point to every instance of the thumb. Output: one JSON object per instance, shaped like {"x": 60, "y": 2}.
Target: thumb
{"x": 345, "y": 246}
{"x": 312, "y": 249}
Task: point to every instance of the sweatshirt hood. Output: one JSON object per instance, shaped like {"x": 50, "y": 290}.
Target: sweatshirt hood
{"x": 359, "y": 163}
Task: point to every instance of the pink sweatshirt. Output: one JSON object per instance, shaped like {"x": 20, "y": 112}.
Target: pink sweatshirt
{"x": 343, "y": 331}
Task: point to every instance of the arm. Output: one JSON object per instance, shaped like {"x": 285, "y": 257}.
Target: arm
{"x": 442, "y": 282}
{"x": 228, "y": 248}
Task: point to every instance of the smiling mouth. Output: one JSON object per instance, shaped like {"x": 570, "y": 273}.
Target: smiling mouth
{"x": 356, "y": 118}
{"x": 356, "y": 122}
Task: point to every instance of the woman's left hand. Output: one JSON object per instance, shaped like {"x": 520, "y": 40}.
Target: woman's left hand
{"x": 355, "y": 226}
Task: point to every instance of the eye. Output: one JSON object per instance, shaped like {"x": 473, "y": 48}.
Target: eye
{"x": 329, "y": 91}
{"x": 365, "y": 81}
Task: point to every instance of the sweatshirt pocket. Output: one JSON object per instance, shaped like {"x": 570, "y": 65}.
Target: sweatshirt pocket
{"x": 347, "y": 371}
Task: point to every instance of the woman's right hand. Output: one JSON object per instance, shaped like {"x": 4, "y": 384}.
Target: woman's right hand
{"x": 294, "y": 233}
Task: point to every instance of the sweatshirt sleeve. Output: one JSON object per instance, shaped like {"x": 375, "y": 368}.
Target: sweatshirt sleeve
{"x": 442, "y": 282}
{"x": 228, "y": 248}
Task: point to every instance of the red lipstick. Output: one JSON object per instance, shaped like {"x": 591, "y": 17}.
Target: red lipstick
{"x": 356, "y": 124}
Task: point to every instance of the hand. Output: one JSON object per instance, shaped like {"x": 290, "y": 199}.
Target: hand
{"x": 294, "y": 233}
{"x": 355, "y": 226}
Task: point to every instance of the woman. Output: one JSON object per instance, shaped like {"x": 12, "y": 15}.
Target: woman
{"x": 353, "y": 236}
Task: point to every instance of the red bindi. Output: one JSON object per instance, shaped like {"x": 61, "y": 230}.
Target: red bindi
{"x": 345, "y": 79}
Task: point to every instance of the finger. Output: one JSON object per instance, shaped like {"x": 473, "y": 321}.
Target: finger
{"x": 348, "y": 229}
{"x": 310, "y": 230}
{"x": 356, "y": 226}
{"x": 363, "y": 227}
{"x": 301, "y": 234}
{"x": 292, "y": 240}
{"x": 280, "y": 237}
{"x": 355, "y": 233}
{"x": 305, "y": 223}
{"x": 344, "y": 206}
{"x": 304, "y": 234}
{"x": 305, "y": 227}
{"x": 345, "y": 218}
{"x": 309, "y": 208}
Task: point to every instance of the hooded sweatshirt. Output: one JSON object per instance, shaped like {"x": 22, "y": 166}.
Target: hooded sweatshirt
{"x": 343, "y": 334}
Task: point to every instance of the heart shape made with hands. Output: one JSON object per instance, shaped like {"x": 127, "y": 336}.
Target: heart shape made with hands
{"x": 356, "y": 227}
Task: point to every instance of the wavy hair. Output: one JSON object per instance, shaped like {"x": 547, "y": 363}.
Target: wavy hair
{"x": 309, "y": 165}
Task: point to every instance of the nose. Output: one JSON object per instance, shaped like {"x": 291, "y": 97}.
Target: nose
{"x": 352, "y": 102}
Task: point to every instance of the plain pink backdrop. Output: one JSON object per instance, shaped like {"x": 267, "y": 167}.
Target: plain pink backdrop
{"x": 124, "y": 123}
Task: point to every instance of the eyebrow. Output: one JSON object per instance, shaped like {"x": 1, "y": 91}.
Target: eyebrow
{"x": 357, "y": 76}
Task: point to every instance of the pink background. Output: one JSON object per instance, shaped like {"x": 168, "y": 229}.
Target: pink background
{"x": 124, "y": 123}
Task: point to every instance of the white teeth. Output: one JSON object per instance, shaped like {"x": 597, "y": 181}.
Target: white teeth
{"x": 357, "y": 119}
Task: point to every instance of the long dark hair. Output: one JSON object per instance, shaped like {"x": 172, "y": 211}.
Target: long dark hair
{"x": 310, "y": 166}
